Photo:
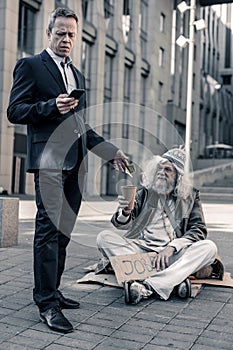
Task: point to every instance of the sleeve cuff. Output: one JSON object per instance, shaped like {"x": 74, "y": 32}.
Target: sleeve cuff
{"x": 122, "y": 218}
{"x": 180, "y": 243}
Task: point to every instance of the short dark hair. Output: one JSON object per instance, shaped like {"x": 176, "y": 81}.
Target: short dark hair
{"x": 60, "y": 12}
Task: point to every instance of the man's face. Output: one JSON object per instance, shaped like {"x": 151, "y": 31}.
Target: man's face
{"x": 165, "y": 178}
{"x": 62, "y": 36}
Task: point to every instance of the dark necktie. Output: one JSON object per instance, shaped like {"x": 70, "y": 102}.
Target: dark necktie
{"x": 64, "y": 70}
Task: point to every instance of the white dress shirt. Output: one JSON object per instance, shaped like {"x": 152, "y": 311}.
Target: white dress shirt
{"x": 67, "y": 75}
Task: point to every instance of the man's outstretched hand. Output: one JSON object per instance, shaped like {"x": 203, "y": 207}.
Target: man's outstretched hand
{"x": 120, "y": 161}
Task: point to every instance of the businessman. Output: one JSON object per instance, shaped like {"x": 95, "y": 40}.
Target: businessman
{"x": 58, "y": 139}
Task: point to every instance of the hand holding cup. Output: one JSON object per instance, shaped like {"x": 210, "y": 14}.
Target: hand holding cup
{"x": 127, "y": 199}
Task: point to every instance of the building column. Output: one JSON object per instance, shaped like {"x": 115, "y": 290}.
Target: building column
{"x": 8, "y": 56}
{"x": 95, "y": 113}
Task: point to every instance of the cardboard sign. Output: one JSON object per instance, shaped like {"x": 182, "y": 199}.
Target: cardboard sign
{"x": 132, "y": 266}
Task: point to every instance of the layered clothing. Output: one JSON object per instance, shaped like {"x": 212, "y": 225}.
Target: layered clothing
{"x": 144, "y": 233}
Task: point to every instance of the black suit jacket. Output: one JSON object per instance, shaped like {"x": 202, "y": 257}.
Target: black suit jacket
{"x": 54, "y": 141}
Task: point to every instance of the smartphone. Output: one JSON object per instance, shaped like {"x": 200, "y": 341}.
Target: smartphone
{"x": 77, "y": 93}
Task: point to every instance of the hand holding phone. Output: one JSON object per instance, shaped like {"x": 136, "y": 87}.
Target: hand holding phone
{"x": 77, "y": 93}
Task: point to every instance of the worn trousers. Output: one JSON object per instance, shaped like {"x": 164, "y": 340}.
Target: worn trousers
{"x": 182, "y": 264}
{"x": 58, "y": 199}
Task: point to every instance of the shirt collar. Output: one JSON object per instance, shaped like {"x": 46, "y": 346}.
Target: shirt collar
{"x": 59, "y": 59}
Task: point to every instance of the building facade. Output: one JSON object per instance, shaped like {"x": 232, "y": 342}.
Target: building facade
{"x": 136, "y": 79}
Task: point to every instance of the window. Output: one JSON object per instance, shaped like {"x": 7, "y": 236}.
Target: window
{"x": 161, "y": 57}
{"x": 126, "y": 20}
{"x": 107, "y": 95}
{"x": 162, "y": 23}
{"x": 226, "y": 79}
{"x": 108, "y": 15}
{"x": 143, "y": 19}
{"x": 125, "y": 127}
{"x": 108, "y": 8}
{"x": 141, "y": 137}
{"x": 26, "y": 29}
{"x": 160, "y": 91}
{"x": 85, "y": 8}
{"x": 159, "y": 129}
{"x": 86, "y": 65}
{"x": 228, "y": 39}
{"x": 194, "y": 81}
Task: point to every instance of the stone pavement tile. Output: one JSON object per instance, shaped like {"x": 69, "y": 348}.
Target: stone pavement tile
{"x": 148, "y": 314}
{"x": 213, "y": 343}
{"x": 11, "y": 346}
{"x": 104, "y": 319}
{"x": 96, "y": 319}
{"x": 4, "y": 312}
{"x": 172, "y": 340}
{"x": 219, "y": 336}
{"x": 221, "y": 324}
{"x": 83, "y": 335}
{"x": 21, "y": 298}
{"x": 133, "y": 336}
{"x": 5, "y": 337}
{"x": 204, "y": 311}
{"x": 77, "y": 343}
{"x": 139, "y": 323}
{"x": 227, "y": 312}
{"x": 12, "y": 320}
{"x": 61, "y": 347}
{"x": 11, "y": 304}
{"x": 151, "y": 329}
{"x": 205, "y": 347}
{"x": 190, "y": 321}
{"x": 117, "y": 309}
{"x": 220, "y": 294}
{"x": 96, "y": 329}
{"x": 104, "y": 296}
{"x": 10, "y": 329}
{"x": 185, "y": 329}
{"x": 120, "y": 344}
{"x": 35, "y": 339}
{"x": 160, "y": 347}
{"x": 167, "y": 309}
{"x": 30, "y": 312}
{"x": 178, "y": 336}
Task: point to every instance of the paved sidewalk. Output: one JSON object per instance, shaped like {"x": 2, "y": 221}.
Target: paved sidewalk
{"x": 103, "y": 321}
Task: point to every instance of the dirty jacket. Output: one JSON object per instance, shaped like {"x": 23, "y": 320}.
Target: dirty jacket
{"x": 188, "y": 221}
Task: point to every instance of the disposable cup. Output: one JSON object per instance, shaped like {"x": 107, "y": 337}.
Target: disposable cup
{"x": 129, "y": 193}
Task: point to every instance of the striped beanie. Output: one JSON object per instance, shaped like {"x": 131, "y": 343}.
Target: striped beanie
{"x": 177, "y": 157}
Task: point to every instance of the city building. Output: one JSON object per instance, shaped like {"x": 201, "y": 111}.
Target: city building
{"x": 136, "y": 79}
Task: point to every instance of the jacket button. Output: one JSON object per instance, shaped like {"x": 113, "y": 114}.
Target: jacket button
{"x": 77, "y": 132}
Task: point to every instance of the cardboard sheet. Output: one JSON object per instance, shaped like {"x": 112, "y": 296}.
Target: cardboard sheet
{"x": 138, "y": 267}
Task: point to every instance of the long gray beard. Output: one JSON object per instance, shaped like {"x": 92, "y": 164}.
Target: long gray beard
{"x": 163, "y": 187}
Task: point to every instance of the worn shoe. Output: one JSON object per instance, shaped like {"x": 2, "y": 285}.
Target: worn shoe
{"x": 55, "y": 320}
{"x": 66, "y": 303}
{"x": 135, "y": 292}
{"x": 184, "y": 289}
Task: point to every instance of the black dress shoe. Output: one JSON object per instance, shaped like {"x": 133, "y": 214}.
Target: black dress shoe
{"x": 66, "y": 303}
{"x": 55, "y": 320}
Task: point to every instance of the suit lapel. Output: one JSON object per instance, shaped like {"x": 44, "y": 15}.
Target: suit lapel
{"x": 51, "y": 66}
{"x": 76, "y": 76}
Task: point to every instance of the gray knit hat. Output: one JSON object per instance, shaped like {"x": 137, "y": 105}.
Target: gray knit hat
{"x": 177, "y": 157}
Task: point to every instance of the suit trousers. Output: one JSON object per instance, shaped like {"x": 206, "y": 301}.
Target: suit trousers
{"x": 182, "y": 264}
{"x": 58, "y": 199}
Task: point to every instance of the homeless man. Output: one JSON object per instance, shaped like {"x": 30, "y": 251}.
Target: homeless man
{"x": 167, "y": 219}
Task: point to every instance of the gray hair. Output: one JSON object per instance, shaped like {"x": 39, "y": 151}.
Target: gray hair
{"x": 60, "y": 12}
{"x": 183, "y": 185}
